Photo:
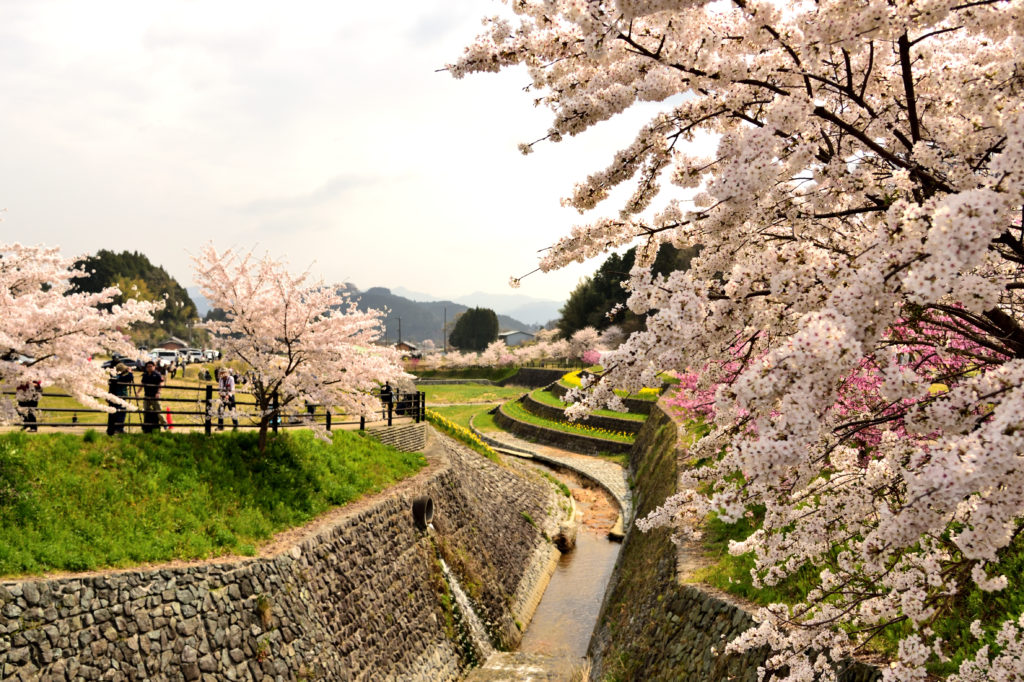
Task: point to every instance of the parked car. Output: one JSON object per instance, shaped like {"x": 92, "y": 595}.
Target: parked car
{"x": 164, "y": 357}
{"x": 133, "y": 363}
{"x": 192, "y": 355}
{"x": 18, "y": 358}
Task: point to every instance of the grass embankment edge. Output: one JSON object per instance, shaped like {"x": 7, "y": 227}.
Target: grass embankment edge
{"x": 516, "y": 411}
{"x": 73, "y": 503}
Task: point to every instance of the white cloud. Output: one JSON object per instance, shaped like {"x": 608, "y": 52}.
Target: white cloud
{"x": 322, "y": 132}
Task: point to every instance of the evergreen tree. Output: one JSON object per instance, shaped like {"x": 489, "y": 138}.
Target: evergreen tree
{"x": 140, "y": 279}
{"x": 594, "y": 297}
{"x": 474, "y": 329}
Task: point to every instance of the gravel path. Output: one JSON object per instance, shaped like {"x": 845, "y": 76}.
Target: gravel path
{"x": 608, "y": 475}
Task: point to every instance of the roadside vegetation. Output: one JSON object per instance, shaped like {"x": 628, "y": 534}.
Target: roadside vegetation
{"x": 72, "y": 502}
{"x": 515, "y": 410}
{"x": 469, "y": 393}
{"x": 462, "y": 434}
{"x": 462, "y": 414}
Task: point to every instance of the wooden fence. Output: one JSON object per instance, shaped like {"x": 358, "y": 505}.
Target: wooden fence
{"x": 184, "y": 405}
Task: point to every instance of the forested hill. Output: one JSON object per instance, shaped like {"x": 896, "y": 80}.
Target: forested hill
{"x": 137, "y": 277}
{"x": 421, "y": 320}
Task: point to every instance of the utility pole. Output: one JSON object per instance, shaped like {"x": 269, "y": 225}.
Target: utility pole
{"x": 444, "y": 330}
{"x": 399, "y": 330}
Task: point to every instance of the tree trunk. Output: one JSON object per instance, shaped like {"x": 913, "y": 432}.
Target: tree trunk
{"x": 264, "y": 424}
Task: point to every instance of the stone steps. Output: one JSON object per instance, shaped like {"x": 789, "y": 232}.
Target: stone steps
{"x": 404, "y": 437}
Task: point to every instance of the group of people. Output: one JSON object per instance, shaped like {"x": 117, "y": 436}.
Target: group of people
{"x": 122, "y": 385}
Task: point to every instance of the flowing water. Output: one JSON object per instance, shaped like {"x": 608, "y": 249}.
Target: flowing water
{"x": 569, "y": 609}
{"x": 477, "y": 632}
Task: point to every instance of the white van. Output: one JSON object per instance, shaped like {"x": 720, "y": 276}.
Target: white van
{"x": 164, "y": 357}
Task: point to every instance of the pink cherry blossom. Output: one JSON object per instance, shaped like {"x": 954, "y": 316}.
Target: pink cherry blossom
{"x": 302, "y": 340}
{"x": 58, "y": 329}
{"x": 852, "y": 327}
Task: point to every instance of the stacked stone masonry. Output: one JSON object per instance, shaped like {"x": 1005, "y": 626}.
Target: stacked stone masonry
{"x": 634, "y": 405}
{"x": 404, "y": 437}
{"x": 533, "y": 377}
{"x": 619, "y": 424}
{"x": 360, "y": 600}
{"x": 652, "y": 626}
{"x": 559, "y": 439}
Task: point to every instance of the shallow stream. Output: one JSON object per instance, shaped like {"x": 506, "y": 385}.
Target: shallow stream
{"x": 571, "y": 603}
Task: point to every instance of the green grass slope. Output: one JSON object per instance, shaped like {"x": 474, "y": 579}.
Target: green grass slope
{"x": 69, "y": 502}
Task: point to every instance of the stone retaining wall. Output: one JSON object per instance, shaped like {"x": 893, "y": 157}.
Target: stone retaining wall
{"x": 534, "y": 377}
{"x": 559, "y": 439}
{"x": 540, "y": 409}
{"x": 404, "y": 437}
{"x": 360, "y": 599}
{"x": 651, "y": 626}
{"x": 634, "y": 405}
{"x": 443, "y": 382}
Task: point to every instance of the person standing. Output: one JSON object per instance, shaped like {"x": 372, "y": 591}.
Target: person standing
{"x": 152, "y": 381}
{"x": 387, "y": 395}
{"x": 121, "y": 384}
{"x": 28, "y": 395}
{"x": 226, "y": 388}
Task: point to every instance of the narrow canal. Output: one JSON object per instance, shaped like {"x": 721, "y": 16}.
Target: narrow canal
{"x": 569, "y": 608}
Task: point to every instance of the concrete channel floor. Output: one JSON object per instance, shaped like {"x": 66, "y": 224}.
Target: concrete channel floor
{"x": 519, "y": 667}
{"x": 512, "y": 666}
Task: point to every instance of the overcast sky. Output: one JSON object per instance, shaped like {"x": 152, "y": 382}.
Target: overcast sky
{"x": 317, "y": 131}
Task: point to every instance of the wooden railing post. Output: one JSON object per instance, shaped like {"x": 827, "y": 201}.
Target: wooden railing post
{"x": 274, "y": 412}
{"x": 208, "y": 419}
{"x": 328, "y": 417}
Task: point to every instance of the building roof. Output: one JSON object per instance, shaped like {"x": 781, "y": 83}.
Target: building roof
{"x": 174, "y": 339}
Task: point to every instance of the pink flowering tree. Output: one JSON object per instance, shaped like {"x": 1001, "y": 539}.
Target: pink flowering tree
{"x": 582, "y": 341}
{"x": 302, "y": 341}
{"x": 49, "y": 332}
{"x": 855, "y": 175}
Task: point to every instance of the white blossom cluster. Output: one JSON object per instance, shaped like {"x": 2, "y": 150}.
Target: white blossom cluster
{"x": 49, "y": 331}
{"x": 545, "y": 347}
{"x": 855, "y": 314}
{"x": 303, "y": 342}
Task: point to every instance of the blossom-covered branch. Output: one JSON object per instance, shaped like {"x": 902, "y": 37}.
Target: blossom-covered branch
{"x": 49, "y": 332}
{"x": 853, "y": 323}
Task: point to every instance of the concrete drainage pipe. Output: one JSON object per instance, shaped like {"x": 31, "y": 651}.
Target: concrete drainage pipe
{"x": 422, "y": 512}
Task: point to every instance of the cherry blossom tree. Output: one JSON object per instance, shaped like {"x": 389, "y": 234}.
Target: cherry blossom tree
{"x": 302, "y": 341}
{"x": 49, "y": 332}
{"x": 859, "y": 207}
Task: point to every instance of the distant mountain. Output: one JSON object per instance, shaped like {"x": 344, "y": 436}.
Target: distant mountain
{"x": 535, "y": 311}
{"x": 413, "y": 295}
{"x": 202, "y": 305}
{"x": 420, "y": 320}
